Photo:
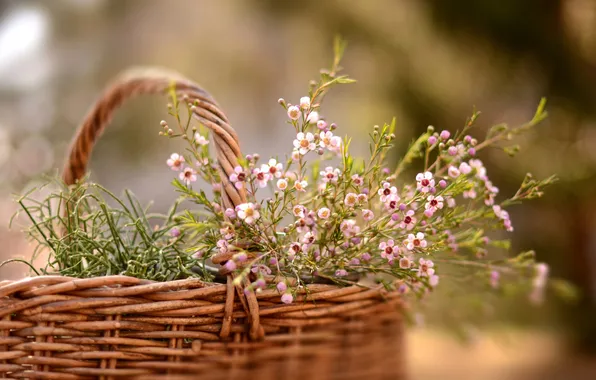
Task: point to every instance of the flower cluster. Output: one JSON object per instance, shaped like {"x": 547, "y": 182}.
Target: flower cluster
{"x": 327, "y": 216}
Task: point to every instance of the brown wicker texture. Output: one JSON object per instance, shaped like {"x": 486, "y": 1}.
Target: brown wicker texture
{"x": 117, "y": 327}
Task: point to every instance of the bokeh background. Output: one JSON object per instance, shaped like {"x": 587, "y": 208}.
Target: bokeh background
{"x": 422, "y": 61}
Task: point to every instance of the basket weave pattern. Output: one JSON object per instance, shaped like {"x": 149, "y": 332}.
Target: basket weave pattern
{"x": 55, "y": 327}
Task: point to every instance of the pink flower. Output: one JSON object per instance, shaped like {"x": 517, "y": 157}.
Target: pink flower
{"x": 367, "y": 215}
{"x": 341, "y": 273}
{"x": 230, "y": 265}
{"x": 464, "y": 168}
{"x": 357, "y": 180}
{"x": 434, "y": 203}
{"x": 392, "y": 202}
{"x": 175, "y": 162}
{"x": 330, "y": 174}
{"x": 261, "y": 177}
{"x": 349, "y": 228}
{"x": 200, "y": 139}
{"x": 304, "y": 142}
{"x": 409, "y": 221}
{"x": 386, "y": 191}
{"x": 222, "y": 245}
{"x": 282, "y": 184}
{"x": 425, "y": 182}
{"x": 453, "y": 172}
{"x": 273, "y": 168}
{"x": 425, "y": 268}
{"x": 188, "y": 175}
{"x": 247, "y": 212}
{"x": 324, "y": 213}
{"x": 351, "y": 199}
{"x": 281, "y": 287}
{"x": 494, "y": 279}
{"x": 294, "y": 112}
{"x": 326, "y": 139}
{"x": 405, "y": 263}
{"x": 298, "y": 211}
{"x": 444, "y": 134}
{"x": 388, "y": 249}
{"x": 415, "y": 241}
{"x": 433, "y": 280}
{"x": 300, "y": 185}
{"x": 308, "y": 238}
{"x": 287, "y": 298}
{"x": 322, "y": 125}
{"x": 238, "y": 177}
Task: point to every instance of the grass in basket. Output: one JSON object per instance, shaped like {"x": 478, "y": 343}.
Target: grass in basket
{"x": 93, "y": 238}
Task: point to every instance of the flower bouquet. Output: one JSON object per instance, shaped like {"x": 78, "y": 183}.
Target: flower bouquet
{"x": 311, "y": 257}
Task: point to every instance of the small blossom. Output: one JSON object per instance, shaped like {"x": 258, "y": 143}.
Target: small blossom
{"x": 357, "y": 180}
{"x": 445, "y": 135}
{"x": 230, "y": 213}
{"x": 408, "y": 221}
{"x": 472, "y": 151}
{"x": 222, "y": 246}
{"x": 452, "y": 151}
{"x": 392, "y": 202}
{"x": 287, "y": 298}
{"x": 425, "y": 268}
{"x": 326, "y": 139}
{"x": 188, "y": 175}
{"x": 175, "y": 232}
{"x": 442, "y": 184}
{"x": 200, "y": 139}
{"x": 324, "y": 213}
{"x": 261, "y": 177}
{"x": 405, "y": 263}
{"x": 464, "y": 168}
{"x": 281, "y": 287}
{"x": 425, "y": 182}
{"x": 330, "y": 174}
{"x": 175, "y": 162}
{"x": 388, "y": 249}
{"x": 335, "y": 145}
{"x": 238, "y": 177}
{"x": 432, "y": 140}
{"x": 453, "y": 172}
{"x": 273, "y": 167}
{"x": 294, "y": 112}
{"x": 322, "y": 125}
{"x": 295, "y": 155}
{"x": 305, "y": 102}
{"x": 282, "y": 184}
{"x": 304, "y": 142}
{"x": 313, "y": 117}
{"x": 230, "y": 265}
{"x": 494, "y": 279}
{"x": 386, "y": 191}
{"x": 248, "y": 212}
{"x": 450, "y": 202}
{"x": 367, "y": 215}
{"x": 415, "y": 241}
{"x": 298, "y": 211}
{"x": 341, "y": 273}
{"x": 300, "y": 185}
{"x": 350, "y": 199}
{"x": 349, "y": 228}
{"x": 470, "y": 194}
{"x": 434, "y": 203}
{"x": 308, "y": 238}
{"x": 433, "y": 280}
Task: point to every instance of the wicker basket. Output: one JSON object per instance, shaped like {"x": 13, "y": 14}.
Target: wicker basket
{"x": 118, "y": 327}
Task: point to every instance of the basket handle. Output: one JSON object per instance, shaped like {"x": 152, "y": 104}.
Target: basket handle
{"x": 139, "y": 81}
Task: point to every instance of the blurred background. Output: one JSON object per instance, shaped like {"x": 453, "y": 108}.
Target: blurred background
{"x": 422, "y": 61}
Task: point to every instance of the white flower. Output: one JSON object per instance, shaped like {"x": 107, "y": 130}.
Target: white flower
{"x": 434, "y": 203}
{"x": 313, "y": 117}
{"x": 298, "y": 211}
{"x": 386, "y": 191}
{"x": 330, "y": 174}
{"x": 294, "y": 112}
{"x": 247, "y": 212}
{"x": 304, "y": 142}
{"x": 324, "y": 213}
{"x": 350, "y": 199}
{"x": 326, "y": 139}
{"x": 450, "y": 202}
{"x": 305, "y": 102}
{"x": 433, "y": 280}
{"x": 300, "y": 185}
{"x": 335, "y": 145}
{"x": 188, "y": 175}
{"x": 295, "y": 155}
{"x": 308, "y": 238}
{"x": 425, "y": 182}
{"x": 282, "y": 184}
{"x": 357, "y": 180}
{"x": 425, "y": 268}
{"x": 453, "y": 172}
{"x": 262, "y": 177}
{"x": 200, "y": 139}
{"x": 273, "y": 167}
{"x": 175, "y": 161}
{"x": 415, "y": 241}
